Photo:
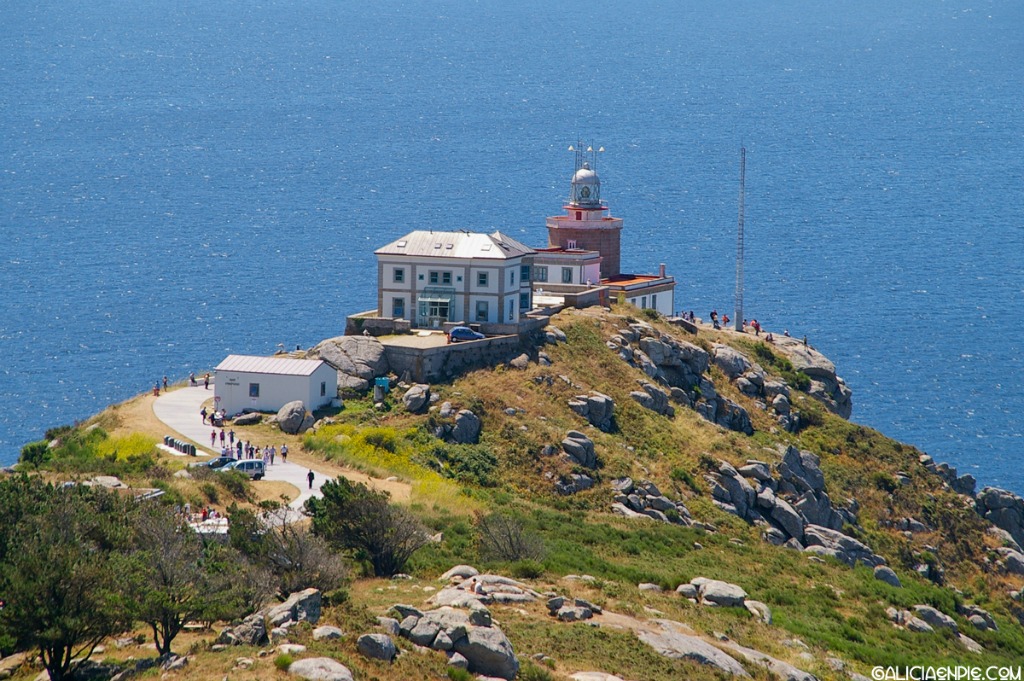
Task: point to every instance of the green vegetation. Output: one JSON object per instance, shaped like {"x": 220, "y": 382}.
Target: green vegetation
{"x": 494, "y": 505}
{"x": 353, "y": 517}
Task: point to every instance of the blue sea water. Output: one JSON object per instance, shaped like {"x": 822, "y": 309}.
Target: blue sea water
{"x": 179, "y": 181}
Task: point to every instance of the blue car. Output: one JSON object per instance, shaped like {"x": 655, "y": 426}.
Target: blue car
{"x": 463, "y": 333}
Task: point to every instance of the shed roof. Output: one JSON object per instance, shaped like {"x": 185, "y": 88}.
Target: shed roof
{"x": 285, "y": 366}
{"x": 422, "y": 243}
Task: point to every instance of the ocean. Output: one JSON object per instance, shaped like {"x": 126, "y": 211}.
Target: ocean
{"x": 180, "y": 181}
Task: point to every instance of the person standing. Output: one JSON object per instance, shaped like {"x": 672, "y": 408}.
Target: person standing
{"x": 273, "y": 453}
{"x": 221, "y": 436}
{"x": 202, "y": 412}
{"x": 213, "y": 437}
{"x": 284, "y": 453}
{"x": 231, "y": 437}
{"x": 165, "y": 384}
{"x": 206, "y": 381}
{"x": 310, "y": 476}
{"x": 192, "y": 379}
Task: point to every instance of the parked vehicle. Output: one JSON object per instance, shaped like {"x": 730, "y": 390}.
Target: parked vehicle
{"x": 252, "y": 467}
{"x": 463, "y": 333}
{"x": 219, "y": 462}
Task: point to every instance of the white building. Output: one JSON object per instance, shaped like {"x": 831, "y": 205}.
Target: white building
{"x": 269, "y": 383}
{"x": 432, "y": 278}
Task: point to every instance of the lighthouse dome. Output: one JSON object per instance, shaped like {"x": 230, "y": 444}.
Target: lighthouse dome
{"x": 586, "y": 187}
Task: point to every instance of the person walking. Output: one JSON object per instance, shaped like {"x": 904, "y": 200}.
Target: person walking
{"x": 310, "y": 476}
{"x": 284, "y": 453}
{"x": 165, "y": 384}
{"x": 222, "y": 436}
{"x": 273, "y": 453}
{"x": 206, "y": 381}
{"x": 202, "y": 412}
{"x": 213, "y": 437}
{"x": 231, "y": 437}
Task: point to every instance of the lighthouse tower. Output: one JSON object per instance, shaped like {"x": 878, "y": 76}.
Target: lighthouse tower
{"x": 585, "y": 224}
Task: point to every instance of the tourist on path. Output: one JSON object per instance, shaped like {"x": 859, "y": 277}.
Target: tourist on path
{"x": 192, "y": 379}
{"x": 231, "y": 437}
{"x": 206, "y": 381}
{"x": 213, "y": 437}
{"x": 284, "y": 453}
{"x": 165, "y": 384}
{"x": 202, "y": 412}
{"x": 310, "y": 476}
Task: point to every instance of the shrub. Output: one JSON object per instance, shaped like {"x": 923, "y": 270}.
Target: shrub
{"x": 283, "y": 661}
{"x": 531, "y": 672}
{"x": 35, "y": 453}
{"x": 352, "y": 516}
{"x": 527, "y": 569}
{"x": 686, "y": 477}
{"x": 236, "y": 483}
{"x": 456, "y": 674}
{"x": 209, "y": 491}
{"x": 503, "y": 537}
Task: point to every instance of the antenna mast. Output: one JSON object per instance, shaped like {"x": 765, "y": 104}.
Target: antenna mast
{"x": 739, "y": 243}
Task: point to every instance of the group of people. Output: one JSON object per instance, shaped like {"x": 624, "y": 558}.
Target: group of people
{"x": 207, "y": 513}
{"x": 216, "y": 418}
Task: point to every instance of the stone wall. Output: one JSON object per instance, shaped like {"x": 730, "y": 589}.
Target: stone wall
{"x": 430, "y": 365}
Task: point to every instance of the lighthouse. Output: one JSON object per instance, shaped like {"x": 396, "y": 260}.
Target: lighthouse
{"x": 586, "y": 224}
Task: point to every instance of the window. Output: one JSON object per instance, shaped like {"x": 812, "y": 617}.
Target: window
{"x": 512, "y": 277}
{"x": 398, "y": 308}
{"x": 540, "y": 273}
{"x": 571, "y": 243}
{"x": 654, "y": 301}
{"x": 566, "y": 275}
{"x": 446, "y": 278}
{"x": 420, "y": 277}
{"x": 643, "y": 302}
{"x": 511, "y": 309}
{"x": 579, "y": 215}
{"x": 399, "y": 275}
{"x": 254, "y": 390}
{"x": 481, "y": 279}
{"x": 482, "y": 310}
{"x": 323, "y": 388}
{"x": 524, "y": 301}
{"x": 524, "y": 273}
{"x": 435, "y": 277}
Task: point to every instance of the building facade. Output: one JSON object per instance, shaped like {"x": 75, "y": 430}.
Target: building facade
{"x": 269, "y": 383}
{"x": 437, "y": 278}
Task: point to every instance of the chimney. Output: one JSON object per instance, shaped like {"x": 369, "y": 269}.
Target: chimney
{"x": 661, "y": 270}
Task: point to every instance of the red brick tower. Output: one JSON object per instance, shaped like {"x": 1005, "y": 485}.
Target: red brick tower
{"x": 585, "y": 225}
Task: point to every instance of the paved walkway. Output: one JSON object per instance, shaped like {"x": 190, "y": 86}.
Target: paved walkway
{"x": 179, "y": 410}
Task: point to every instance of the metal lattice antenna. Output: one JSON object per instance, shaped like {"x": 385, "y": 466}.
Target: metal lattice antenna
{"x": 739, "y": 242}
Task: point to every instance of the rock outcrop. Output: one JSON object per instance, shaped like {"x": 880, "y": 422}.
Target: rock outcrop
{"x": 465, "y": 430}
{"x": 485, "y": 648}
{"x": 416, "y": 398}
{"x": 597, "y": 408}
{"x": 579, "y": 449}
{"x": 358, "y": 359}
{"x": 826, "y": 386}
{"x": 320, "y": 669}
{"x": 293, "y": 418}
{"x": 646, "y": 500}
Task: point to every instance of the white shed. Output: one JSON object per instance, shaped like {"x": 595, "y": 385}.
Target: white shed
{"x": 269, "y": 383}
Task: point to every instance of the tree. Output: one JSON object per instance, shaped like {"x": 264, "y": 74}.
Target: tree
{"x": 63, "y": 574}
{"x": 178, "y": 577}
{"x": 503, "y": 537}
{"x": 352, "y": 516}
{"x": 297, "y": 558}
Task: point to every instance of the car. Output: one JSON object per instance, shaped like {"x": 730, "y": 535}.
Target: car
{"x": 219, "y": 462}
{"x": 254, "y": 468}
{"x": 463, "y": 333}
